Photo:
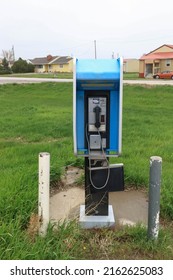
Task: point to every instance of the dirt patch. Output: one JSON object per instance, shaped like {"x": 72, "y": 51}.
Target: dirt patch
{"x": 33, "y": 226}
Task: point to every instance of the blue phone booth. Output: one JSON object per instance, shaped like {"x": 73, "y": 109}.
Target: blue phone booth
{"x": 98, "y": 77}
{"x": 97, "y": 127}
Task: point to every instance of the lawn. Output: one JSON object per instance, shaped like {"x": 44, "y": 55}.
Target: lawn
{"x": 59, "y": 75}
{"x": 65, "y": 75}
{"x": 38, "y": 117}
{"x": 131, "y": 76}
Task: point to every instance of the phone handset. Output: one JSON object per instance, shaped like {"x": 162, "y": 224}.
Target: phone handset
{"x": 97, "y": 111}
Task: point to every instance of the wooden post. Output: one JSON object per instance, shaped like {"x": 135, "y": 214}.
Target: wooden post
{"x": 44, "y": 184}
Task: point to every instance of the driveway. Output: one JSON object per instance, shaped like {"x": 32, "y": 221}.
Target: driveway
{"x": 11, "y": 80}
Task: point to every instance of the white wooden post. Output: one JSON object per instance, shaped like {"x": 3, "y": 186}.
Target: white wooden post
{"x": 43, "y": 199}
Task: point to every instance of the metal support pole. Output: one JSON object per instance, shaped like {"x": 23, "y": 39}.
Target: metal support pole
{"x": 96, "y": 202}
{"x": 154, "y": 197}
{"x": 43, "y": 200}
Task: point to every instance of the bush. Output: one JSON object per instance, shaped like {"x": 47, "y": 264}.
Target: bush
{"x": 4, "y": 68}
{"x": 21, "y": 66}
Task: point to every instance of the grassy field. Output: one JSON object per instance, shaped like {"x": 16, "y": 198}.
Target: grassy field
{"x": 131, "y": 76}
{"x": 127, "y": 76}
{"x": 59, "y": 75}
{"x": 31, "y": 122}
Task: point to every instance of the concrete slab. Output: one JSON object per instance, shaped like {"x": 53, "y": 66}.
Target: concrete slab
{"x": 63, "y": 203}
{"x": 129, "y": 207}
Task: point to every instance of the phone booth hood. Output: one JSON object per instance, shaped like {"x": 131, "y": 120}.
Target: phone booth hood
{"x": 97, "y": 75}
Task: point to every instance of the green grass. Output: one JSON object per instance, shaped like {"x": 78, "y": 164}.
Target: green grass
{"x": 38, "y": 117}
{"x": 126, "y": 76}
{"x": 147, "y": 131}
{"x": 59, "y": 75}
{"x": 131, "y": 76}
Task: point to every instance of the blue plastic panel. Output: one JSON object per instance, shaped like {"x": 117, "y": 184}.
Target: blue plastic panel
{"x": 114, "y": 120}
{"x": 80, "y": 119}
{"x": 98, "y": 69}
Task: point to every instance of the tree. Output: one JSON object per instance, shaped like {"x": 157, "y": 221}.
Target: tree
{"x": 21, "y": 66}
{"x": 4, "y": 68}
{"x": 5, "y": 63}
{"x": 31, "y": 68}
{"x": 8, "y": 55}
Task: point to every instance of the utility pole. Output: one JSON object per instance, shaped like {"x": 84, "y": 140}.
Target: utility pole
{"x": 13, "y": 55}
{"x": 95, "y": 49}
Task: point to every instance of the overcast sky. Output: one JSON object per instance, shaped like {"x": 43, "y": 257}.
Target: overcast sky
{"x": 128, "y": 28}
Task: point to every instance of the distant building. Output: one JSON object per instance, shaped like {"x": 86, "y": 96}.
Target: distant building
{"x": 130, "y": 65}
{"x": 52, "y": 64}
{"x": 158, "y": 60}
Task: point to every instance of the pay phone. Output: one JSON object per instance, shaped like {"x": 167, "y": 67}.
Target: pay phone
{"x": 97, "y": 130}
{"x": 97, "y": 120}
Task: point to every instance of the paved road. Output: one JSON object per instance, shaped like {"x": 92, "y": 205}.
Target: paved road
{"x": 149, "y": 82}
{"x": 10, "y": 80}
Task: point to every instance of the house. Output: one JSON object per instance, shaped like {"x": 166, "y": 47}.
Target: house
{"x": 131, "y": 65}
{"x": 158, "y": 60}
{"x": 52, "y": 64}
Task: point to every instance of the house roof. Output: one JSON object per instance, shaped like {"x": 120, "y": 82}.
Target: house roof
{"x": 42, "y": 60}
{"x": 50, "y": 60}
{"x": 62, "y": 60}
{"x": 167, "y": 45}
{"x": 158, "y": 55}
{"x": 171, "y": 46}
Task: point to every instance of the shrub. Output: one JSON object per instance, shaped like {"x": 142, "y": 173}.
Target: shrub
{"x": 21, "y": 66}
{"x": 4, "y": 68}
